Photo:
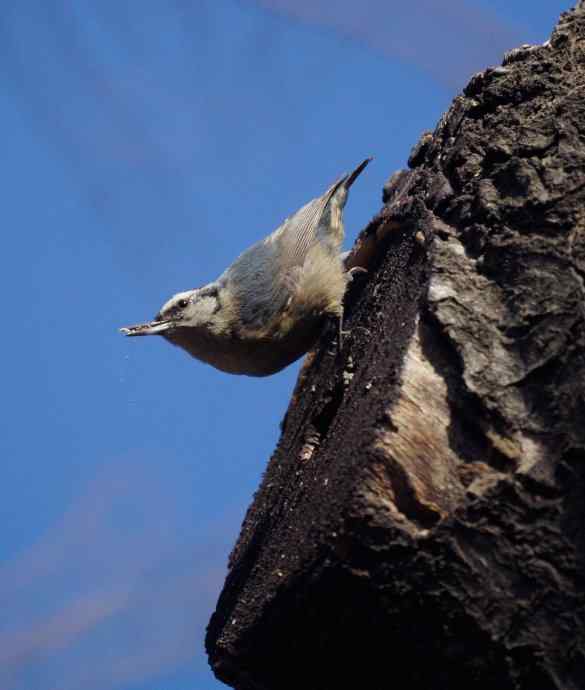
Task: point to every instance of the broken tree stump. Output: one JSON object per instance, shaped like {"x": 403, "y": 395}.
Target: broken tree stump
{"x": 421, "y": 523}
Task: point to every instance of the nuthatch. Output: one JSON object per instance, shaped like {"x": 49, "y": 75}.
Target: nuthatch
{"x": 269, "y": 307}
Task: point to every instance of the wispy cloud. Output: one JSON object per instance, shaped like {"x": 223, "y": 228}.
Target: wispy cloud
{"x": 112, "y": 593}
{"x": 450, "y": 40}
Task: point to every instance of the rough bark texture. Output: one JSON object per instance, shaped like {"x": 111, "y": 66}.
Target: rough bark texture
{"x": 422, "y": 521}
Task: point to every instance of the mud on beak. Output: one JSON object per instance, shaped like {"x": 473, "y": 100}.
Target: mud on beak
{"x": 151, "y": 328}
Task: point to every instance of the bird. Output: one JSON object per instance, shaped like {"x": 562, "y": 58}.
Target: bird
{"x": 269, "y": 307}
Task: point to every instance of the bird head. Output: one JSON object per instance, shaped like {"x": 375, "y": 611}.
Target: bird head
{"x": 191, "y": 309}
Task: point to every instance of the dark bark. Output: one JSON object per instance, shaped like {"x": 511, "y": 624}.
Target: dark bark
{"x": 422, "y": 521}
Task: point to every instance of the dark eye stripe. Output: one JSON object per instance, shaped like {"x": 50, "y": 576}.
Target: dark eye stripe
{"x": 217, "y": 303}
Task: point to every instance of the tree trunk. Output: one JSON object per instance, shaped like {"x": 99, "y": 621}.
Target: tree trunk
{"x": 421, "y": 523}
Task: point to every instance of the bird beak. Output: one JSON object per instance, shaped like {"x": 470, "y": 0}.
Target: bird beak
{"x": 151, "y": 328}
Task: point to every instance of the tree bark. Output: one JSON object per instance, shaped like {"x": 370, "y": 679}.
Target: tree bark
{"x": 421, "y": 523}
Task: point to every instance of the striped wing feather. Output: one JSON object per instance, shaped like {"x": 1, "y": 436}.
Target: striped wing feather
{"x": 300, "y": 231}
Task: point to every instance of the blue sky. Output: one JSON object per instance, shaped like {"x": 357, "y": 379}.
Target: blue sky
{"x": 146, "y": 144}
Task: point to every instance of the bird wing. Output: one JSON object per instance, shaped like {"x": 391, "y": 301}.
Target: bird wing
{"x": 299, "y": 232}
{"x": 265, "y": 277}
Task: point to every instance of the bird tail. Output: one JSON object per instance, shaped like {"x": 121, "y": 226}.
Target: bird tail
{"x": 346, "y": 181}
{"x": 352, "y": 177}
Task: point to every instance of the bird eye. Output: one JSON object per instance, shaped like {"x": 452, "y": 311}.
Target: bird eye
{"x": 183, "y": 303}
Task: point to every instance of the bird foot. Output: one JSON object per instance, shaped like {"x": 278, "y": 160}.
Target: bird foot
{"x": 355, "y": 271}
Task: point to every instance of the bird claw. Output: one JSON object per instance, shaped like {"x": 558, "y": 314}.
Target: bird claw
{"x": 355, "y": 271}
